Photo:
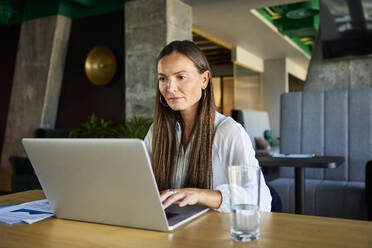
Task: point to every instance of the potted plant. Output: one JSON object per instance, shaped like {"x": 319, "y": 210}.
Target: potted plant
{"x": 99, "y": 128}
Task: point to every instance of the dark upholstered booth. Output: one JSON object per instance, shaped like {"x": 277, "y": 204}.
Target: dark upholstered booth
{"x": 334, "y": 123}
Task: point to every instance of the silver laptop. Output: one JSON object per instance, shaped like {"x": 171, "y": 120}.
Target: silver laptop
{"x": 107, "y": 181}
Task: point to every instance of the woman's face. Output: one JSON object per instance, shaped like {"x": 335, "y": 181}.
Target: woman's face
{"x": 180, "y": 83}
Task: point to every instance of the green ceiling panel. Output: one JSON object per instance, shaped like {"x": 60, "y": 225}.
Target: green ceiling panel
{"x": 297, "y": 28}
{"x": 9, "y": 12}
{"x": 16, "y": 11}
{"x": 298, "y": 21}
{"x": 39, "y": 8}
{"x": 88, "y": 3}
{"x": 74, "y": 10}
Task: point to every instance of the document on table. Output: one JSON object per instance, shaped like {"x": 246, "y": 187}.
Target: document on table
{"x": 279, "y": 155}
{"x": 29, "y": 212}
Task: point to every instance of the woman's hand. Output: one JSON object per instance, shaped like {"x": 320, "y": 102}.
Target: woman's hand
{"x": 191, "y": 196}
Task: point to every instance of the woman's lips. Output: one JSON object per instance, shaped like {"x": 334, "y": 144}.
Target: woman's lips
{"x": 175, "y": 98}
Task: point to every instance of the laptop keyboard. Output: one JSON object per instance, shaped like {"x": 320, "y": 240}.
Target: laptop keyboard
{"x": 170, "y": 215}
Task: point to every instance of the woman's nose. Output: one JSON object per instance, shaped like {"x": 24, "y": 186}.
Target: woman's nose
{"x": 172, "y": 85}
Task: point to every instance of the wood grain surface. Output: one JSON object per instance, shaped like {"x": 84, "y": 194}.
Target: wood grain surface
{"x": 210, "y": 230}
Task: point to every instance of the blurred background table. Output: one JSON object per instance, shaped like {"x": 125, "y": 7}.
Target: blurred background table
{"x": 299, "y": 163}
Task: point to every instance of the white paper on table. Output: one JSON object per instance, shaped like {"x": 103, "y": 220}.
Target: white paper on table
{"x": 23, "y": 212}
{"x": 279, "y": 155}
{"x": 40, "y": 205}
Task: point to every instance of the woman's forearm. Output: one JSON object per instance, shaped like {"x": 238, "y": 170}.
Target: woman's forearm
{"x": 191, "y": 196}
{"x": 210, "y": 198}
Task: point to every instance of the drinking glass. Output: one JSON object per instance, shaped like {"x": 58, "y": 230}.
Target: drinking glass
{"x": 244, "y": 188}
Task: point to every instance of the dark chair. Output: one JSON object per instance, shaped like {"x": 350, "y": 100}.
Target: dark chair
{"x": 23, "y": 177}
{"x": 276, "y": 202}
{"x": 369, "y": 189}
{"x": 51, "y": 133}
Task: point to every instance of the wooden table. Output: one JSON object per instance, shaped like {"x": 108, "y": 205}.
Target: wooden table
{"x": 210, "y": 230}
{"x": 325, "y": 162}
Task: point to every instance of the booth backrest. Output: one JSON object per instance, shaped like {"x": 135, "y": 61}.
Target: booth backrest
{"x": 336, "y": 122}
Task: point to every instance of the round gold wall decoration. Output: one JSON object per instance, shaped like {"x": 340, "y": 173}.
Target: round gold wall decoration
{"x": 100, "y": 65}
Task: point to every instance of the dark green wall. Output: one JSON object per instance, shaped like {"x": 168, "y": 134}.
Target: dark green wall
{"x": 80, "y": 98}
{"x": 8, "y": 51}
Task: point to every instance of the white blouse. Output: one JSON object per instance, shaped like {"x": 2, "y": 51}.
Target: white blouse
{"x": 231, "y": 146}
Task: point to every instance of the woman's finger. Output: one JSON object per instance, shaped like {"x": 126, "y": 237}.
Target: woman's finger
{"x": 165, "y": 194}
{"x": 188, "y": 200}
{"x": 172, "y": 199}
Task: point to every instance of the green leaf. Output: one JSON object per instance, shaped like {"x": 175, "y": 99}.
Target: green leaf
{"x": 99, "y": 128}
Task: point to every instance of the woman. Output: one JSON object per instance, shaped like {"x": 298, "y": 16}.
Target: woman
{"x": 190, "y": 144}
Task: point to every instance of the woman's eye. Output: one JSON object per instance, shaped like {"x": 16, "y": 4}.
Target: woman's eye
{"x": 161, "y": 79}
{"x": 181, "y": 77}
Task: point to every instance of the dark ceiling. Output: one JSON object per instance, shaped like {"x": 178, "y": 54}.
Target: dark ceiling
{"x": 216, "y": 54}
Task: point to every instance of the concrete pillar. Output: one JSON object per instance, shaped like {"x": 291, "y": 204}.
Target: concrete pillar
{"x": 149, "y": 26}
{"x": 275, "y": 82}
{"x": 55, "y": 72}
{"x": 339, "y": 73}
{"x": 36, "y": 85}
